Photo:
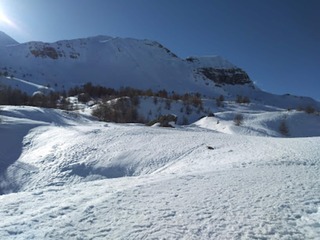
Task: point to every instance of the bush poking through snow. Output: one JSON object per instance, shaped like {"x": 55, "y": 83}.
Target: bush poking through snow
{"x": 238, "y": 119}
{"x": 219, "y": 101}
{"x": 120, "y": 111}
{"x": 168, "y": 104}
{"x": 165, "y": 120}
{"x": 283, "y": 128}
{"x": 185, "y": 120}
{"x": 310, "y": 109}
{"x": 242, "y": 99}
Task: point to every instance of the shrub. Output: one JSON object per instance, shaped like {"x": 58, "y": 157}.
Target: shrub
{"x": 64, "y": 104}
{"x": 310, "y": 109}
{"x": 185, "y": 120}
{"x": 238, "y": 119}
{"x": 164, "y": 120}
{"x": 163, "y": 94}
{"x": 135, "y": 100}
{"x": 168, "y": 104}
{"x": 122, "y": 111}
{"x": 84, "y": 97}
{"x": 283, "y": 128}
{"x": 242, "y": 99}
{"x": 188, "y": 109}
{"x": 221, "y": 98}
{"x": 155, "y": 100}
{"x": 219, "y": 101}
{"x": 196, "y": 100}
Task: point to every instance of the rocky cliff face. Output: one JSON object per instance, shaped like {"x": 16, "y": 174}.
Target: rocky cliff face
{"x": 233, "y": 76}
{"x": 219, "y": 70}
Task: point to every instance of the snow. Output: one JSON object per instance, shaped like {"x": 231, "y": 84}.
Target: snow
{"x": 213, "y": 61}
{"x": 6, "y": 40}
{"x": 101, "y": 60}
{"x": 66, "y": 176}
{"x": 264, "y": 123}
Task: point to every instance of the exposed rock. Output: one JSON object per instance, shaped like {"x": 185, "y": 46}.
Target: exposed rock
{"x": 226, "y": 76}
{"x": 44, "y": 52}
{"x": 165, "y": 120}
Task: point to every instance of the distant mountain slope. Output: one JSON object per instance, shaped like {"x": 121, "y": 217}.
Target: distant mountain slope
{"x": 6, "y": 40}
{"x": 121, "y": 62}
{"x": 116, "y": 62}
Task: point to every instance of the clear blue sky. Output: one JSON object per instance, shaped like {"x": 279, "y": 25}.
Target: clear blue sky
{"x": 276, "y": 41}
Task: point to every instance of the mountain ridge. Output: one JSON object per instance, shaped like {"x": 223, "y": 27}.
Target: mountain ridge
{"x": 6, "y": 40}
{"x": 141, "y": 59}
{"x": 126, "y": 62}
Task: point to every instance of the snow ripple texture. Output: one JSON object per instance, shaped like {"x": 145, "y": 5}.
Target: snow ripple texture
{"x": 79, "y": 179}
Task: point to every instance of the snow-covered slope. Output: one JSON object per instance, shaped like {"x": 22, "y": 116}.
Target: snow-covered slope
{"x": 6, "y": 40}
{"x": 125, "y": 62}
{"x": 103, "y": 60}
{"x": 264, "y": 123}
{"x": 81, "y": 179}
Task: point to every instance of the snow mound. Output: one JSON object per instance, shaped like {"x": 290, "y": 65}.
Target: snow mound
{"x": 266, "y": 124}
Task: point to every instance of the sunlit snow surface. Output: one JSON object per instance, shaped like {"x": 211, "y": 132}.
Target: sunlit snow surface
{"x": 74, "y": 178}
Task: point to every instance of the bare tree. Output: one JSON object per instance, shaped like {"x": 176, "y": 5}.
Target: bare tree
{"x": 238, "y": 119}
{"x": 283, "y": 128}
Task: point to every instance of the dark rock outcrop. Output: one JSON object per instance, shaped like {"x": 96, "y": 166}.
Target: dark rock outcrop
{"x": 231, "y": 76}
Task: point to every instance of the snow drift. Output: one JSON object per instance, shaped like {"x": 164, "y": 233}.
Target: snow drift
{"x": 74, "y": 177}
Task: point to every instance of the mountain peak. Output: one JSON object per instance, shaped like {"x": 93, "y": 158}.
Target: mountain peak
{"x": 6, "y": 40}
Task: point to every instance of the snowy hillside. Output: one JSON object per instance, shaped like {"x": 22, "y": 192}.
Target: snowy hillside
{"x": 71, "y": 177}
{"x": 125, "y": 62}
{"x": 266, "y": 123}
{"x": 6, "y": 40}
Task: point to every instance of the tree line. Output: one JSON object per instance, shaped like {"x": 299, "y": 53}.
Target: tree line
{"x": 85, "y": 93}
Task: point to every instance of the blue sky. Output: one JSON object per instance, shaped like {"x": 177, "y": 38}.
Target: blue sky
{"x": 276, "y": 41}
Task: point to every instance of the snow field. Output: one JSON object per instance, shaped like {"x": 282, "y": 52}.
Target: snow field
{"x": 74, "y": 178}
{"x": 265, "y": 124}
{"x": 253, "y": 202}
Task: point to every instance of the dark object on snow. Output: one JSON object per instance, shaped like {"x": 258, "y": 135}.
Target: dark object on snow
{"x": 165, "y": 120}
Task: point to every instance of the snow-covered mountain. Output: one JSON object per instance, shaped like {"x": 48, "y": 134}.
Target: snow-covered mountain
{"x": 125, "y": 62}
{"x": 116, "y": 62}
{"x": 6, "y": 40}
